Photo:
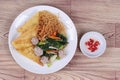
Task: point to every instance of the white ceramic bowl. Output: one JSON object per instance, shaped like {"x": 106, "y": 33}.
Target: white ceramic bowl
{"x": 96, "y": 36}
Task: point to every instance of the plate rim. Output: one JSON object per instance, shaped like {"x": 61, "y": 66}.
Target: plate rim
{"x": 9, "y": 41}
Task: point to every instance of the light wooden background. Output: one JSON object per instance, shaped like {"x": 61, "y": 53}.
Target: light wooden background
{"x": 88, "y": 15}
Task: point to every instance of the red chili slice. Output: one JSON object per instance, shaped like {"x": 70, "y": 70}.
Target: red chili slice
{"x": 90, "y": 48}
{"x": 97, "y": 43}
{"x": 86, "y": 43}
{"x": 91, "y": 40}
{"x": 94, "y": 49}
{"x": 92, "y": 45}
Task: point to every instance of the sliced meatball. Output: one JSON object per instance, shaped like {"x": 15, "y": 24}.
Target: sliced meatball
{"x": 44, "y": 59}
{"x": 38, "y": 51}
{"x": 61, "y": 54}
{"x": 34, "y": 40}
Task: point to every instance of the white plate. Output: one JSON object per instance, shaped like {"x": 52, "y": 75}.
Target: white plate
{"x": 96, "y": 36}
{"x": 29, "y": 64}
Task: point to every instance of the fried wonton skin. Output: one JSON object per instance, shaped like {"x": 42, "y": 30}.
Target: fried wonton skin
{"x": 23, "y": 42}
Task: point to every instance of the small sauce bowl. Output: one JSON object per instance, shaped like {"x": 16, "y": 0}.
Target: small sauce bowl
{"x": 93, "y": 44}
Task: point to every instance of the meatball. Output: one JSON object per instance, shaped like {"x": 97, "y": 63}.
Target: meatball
{"x": 61, "y": 54}
{"x": 34, "y": 40}
{"x": 44, "y": 59}
{"x": 38, "y": 51}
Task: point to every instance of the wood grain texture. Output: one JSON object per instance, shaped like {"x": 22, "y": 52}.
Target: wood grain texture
{"x": 117, "y": 75}
{"x": 107, "y": 29}
{"x": 117, "y": 35}
{"x": 109, "y": 61}
{"x": 106, "y": 11}
{"x": 72, "y": 75}
{"x": 9, "y": 70}
{"x": 88, "y": 15}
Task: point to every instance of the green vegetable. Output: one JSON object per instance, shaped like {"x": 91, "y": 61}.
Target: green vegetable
{"x": 52, "y": 44}
{"x": 52, "y": 59}
{"x": 56, "y": 43}
{"x": 45, "y": 46}
{"x": 41, "y": 43}
{"x": 49, "y": 64}
{"x": 47, "y": 55}
{"x": 62, "y": 37}
{"x": 62, "y": 46}
{"x": 58, "y": 58}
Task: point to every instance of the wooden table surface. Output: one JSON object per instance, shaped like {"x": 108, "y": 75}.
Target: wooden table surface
{"x": 88, "y": 15}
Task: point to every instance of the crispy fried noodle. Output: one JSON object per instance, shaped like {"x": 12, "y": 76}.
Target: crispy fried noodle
{"x": 48, "y": 23}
